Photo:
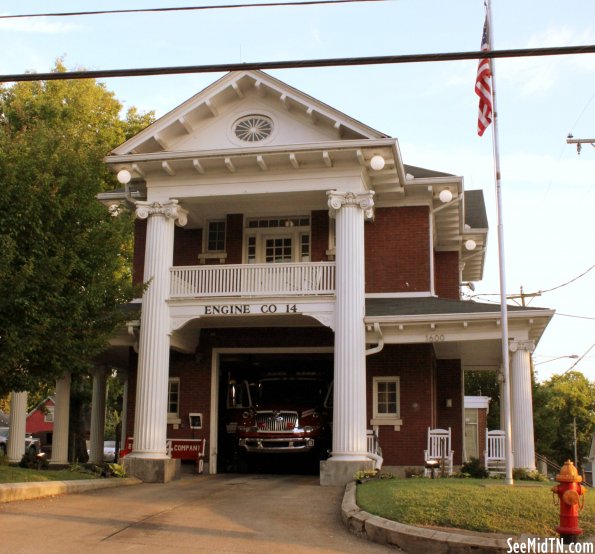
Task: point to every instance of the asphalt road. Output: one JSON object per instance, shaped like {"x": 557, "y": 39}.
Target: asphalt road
{"x": 223, "y": 513}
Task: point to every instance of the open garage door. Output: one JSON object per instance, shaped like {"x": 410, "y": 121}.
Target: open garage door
{"x": 275, "y": 412}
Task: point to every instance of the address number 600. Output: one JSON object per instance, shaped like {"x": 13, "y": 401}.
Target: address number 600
{"x": 434, "y": 338}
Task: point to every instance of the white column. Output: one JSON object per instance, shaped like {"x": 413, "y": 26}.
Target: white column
{"x": 150, "y": 420}
{"x": 123, "y": 375}
{"x": 349, "y": 402}
{"x": 61, "y": 415}
{"x": 98, "y": 415}
{"x": 523, "y": 443}
{"x": 17, "y": 426}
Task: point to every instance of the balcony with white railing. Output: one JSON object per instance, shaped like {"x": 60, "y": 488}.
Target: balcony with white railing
{"x": 251, "y": 280}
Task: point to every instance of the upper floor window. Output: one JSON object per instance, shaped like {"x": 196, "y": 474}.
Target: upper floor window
{"x": 48, "y": 417}
{"x": 216, "y": 236}
{"x": 277, "y": 239}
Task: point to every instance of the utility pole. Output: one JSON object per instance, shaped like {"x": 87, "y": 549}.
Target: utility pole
{"x": 579, "y": 142}
{"x": 522, "y": 296}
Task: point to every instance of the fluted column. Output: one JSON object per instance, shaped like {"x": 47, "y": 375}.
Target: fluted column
{"x": 61, "y": 415}
{"x": 17, "y": 426}
{"x": 150, "y": 421}
{"x": 98, "y": 415}
{"x": 349, "y": 403}
{"x": 523, "y": 442}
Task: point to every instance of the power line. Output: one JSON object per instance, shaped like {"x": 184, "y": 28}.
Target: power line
{"x": 568, "y": 282}
{"x": 296, "y": 64}
{"x": 188, "y": 8}
{"x": 576, "y": 316}
{"x": 540, "y": 291}
{"x": 575, "y": 363}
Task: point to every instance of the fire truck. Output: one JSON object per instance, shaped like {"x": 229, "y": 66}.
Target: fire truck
{"x": 280, "y": 412}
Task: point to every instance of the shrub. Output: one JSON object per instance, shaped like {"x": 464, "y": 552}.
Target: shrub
{"x": 521, "y": 474}
{"x": 414, "y": 472}
{"x": 31, "y": 460}
{"x": 474, "y": 468}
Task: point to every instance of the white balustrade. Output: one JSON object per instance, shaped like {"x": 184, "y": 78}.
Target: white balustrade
{"x": 313, "y": 278}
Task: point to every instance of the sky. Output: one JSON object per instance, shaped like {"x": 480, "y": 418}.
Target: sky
{"x": 548, "y": 190}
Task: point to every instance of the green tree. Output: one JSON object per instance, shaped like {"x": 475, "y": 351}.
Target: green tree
{"x": 64, "y": 260}
{"x": 557, "y": 402}
{"x": 485, "y": 383}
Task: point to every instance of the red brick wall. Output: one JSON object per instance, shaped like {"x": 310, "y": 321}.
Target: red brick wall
{"x": 449, "y": 386}
{"x": 446, "y": 274}
{"x": 413, "y": 365}
{"x": 195, "y": 394}
{"x": 187, "y": 246}
{"x": 138, "y": 261}
{"x": 397, "y": 246}
{"x": 319, "y": 235}
{"x": 234, "y": 233}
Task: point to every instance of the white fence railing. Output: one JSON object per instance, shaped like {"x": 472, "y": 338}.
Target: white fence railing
{"x": 313, "y": 278}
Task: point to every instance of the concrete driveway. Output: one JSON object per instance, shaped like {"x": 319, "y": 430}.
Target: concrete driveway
{"x": 223, "y": 513}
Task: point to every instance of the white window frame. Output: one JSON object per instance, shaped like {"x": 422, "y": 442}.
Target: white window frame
{"x": 48, "y": 416}
{"x": 208, "y": 232}
{"x": 173, "y": 417}
{"x": 393, "y": 419}
{"x": 293, "y": 231}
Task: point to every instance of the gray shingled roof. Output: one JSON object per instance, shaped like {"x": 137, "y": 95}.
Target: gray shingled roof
{"x": 431, "y": 305}
{"x": 422, "y": 172}
{"x": 475, "y": 210}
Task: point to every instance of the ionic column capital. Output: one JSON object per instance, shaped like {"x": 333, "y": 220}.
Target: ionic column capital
{"x": 169, "y": 210}
{"x": 338, "y": 200}
{"x": 522, "y": 345}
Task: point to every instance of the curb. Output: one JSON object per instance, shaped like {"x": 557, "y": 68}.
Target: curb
{"x": 410, "y": 538}
{"x": 9, "y": 492}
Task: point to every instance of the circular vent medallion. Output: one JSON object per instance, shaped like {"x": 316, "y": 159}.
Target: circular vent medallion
{"x": 253, "y": 128}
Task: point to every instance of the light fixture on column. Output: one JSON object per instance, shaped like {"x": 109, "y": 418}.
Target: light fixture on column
{"x": 377, "y": 162}
{"x": 449, "y": 402}
{"x": 470, "y": 244}
{"x": 124, "y": 176}
{"x": 445, "y": 196}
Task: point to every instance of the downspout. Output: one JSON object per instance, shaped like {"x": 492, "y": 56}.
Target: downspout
{"x": 378, "y": 460}
{"x": 380, "y": 345}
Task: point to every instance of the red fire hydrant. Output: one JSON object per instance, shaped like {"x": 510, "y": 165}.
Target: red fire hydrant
{"x": 571, "y": 499}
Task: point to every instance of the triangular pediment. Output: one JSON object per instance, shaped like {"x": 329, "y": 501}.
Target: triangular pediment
{"x": 214, "y": 119}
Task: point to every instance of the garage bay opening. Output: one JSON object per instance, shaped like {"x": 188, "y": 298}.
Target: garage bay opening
{"x": 275, "y": 412}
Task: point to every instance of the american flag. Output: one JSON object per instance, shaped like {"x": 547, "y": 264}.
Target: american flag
{"x": 483, "y": 84}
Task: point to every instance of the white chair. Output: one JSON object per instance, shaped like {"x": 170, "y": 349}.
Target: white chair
{"x": 439, "y": 450}
{"x": 495, "y": 452}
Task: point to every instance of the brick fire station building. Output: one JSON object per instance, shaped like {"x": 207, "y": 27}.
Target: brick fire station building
{"x": 274, "y": 229}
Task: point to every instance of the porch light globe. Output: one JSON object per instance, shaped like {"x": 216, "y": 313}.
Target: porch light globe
{"x": 470, "y": 244}
{"x": 377, "y": 162}
{"x": 124, "y": 176}
{"x": 445, "y": 196}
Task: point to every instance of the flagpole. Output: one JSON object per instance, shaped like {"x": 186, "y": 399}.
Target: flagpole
{"x": 505, "y": 400}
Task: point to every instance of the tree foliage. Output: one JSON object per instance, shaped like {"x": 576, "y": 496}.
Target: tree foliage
{"x": 557, "y": 402}
{"x": 485, "y": 383}
{"x": 64, "y": 260}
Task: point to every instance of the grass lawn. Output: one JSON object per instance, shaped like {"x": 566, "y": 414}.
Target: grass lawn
{"x": 484, "y": 505}
{"x": 9, "y": 474}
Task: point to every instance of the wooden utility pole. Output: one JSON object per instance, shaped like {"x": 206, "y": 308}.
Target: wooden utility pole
{"x": 579, "y": 142}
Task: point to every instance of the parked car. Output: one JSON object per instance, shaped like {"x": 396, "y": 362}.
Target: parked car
{"x": 32, "y": 444}
{"x": 109, "y": 450}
